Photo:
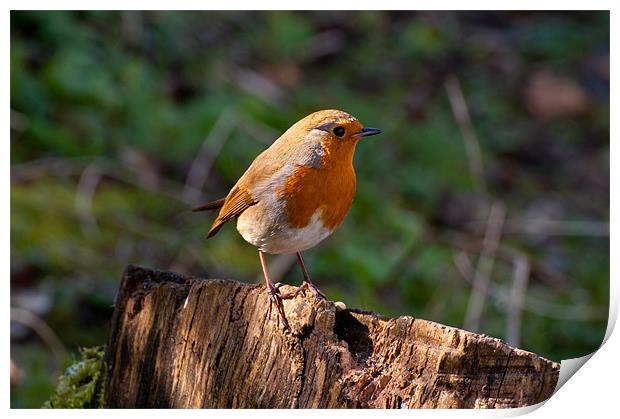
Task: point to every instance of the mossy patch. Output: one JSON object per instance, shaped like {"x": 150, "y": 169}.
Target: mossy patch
{"x": 76, "y": 387}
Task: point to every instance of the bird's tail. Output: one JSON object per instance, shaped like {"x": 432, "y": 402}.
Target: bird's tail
{"x": 213, "y": 205}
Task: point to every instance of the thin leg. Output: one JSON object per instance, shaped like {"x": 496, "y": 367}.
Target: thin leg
{"x": 273, "y": 295}
{"x": 307, "y": 284}
{"x": 303, "y": 268}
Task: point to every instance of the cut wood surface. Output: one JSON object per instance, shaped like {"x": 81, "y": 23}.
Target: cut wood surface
{"x": 187, "y": 342}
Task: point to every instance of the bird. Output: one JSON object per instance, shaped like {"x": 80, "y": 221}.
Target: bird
{"x": 295, "y": 193}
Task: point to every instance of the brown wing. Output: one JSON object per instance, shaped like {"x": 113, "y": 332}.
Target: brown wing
{"x": 237, "y": 201}
{"x": 240, "y": 198}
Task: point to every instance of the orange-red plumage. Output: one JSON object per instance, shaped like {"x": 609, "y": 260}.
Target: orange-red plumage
{"x": 329, "y": 188}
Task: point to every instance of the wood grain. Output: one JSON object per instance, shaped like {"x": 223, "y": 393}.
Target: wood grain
{"x": 187, "y": 342}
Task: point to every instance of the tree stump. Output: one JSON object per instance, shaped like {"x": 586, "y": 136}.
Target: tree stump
{"x": 187, "y": 342}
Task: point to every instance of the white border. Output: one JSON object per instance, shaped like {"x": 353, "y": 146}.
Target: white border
{"x": 309, "y": 5}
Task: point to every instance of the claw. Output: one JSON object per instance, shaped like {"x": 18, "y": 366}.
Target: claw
{"x": 310, "y": 286}
{"x": 274, "y": 298}
{"x": 307, "y": 284}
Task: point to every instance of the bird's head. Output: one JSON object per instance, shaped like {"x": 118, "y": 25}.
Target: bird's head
{"x": 340, "y": 126}
{"x": 323, "y": 135}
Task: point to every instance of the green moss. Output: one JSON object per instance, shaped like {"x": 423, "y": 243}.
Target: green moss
{"x": 76, "y": 388}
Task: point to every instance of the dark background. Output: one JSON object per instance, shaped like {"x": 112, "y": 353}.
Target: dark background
{"x": 495, "y": 125}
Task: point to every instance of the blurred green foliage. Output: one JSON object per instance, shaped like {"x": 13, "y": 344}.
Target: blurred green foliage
{"x": 109, "y": 110}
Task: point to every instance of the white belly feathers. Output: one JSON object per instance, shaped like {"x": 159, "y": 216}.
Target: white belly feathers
{"x": 271, "y": 233}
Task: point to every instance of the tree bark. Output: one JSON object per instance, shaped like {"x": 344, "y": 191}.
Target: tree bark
{"x": 187, "y": 342}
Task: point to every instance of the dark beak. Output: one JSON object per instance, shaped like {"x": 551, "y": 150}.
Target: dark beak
{"x": 367, "y": 132}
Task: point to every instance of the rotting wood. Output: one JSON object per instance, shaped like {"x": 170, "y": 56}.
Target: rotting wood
{"x": 187, "y": 342}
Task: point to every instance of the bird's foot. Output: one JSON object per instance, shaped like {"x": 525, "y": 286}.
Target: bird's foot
{"x": 312, "y": 288}
{"x": 276, "y": 299}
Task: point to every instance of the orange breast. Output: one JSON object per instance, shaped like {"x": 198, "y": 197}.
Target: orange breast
{"x": 329, "y": 188}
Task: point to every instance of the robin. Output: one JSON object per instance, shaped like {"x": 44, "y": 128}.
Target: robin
{"x": 296, "y": 192}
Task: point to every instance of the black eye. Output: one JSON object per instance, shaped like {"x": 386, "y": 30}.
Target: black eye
{"x": 338, "y": 131}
